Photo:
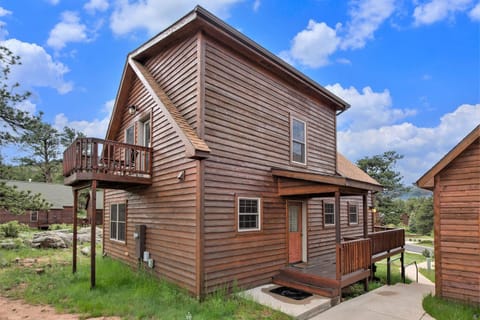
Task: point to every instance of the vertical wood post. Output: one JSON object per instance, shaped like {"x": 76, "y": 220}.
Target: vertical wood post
{"x": 402, "y": 259}
{"x": 74, "y": 238}
{"x": 93, "y": 235}
{"x": 388, "y": 271}
{"x": 338, "y": 233}
{"x": 365, "y": 215}
{"x": 436, "y": 235}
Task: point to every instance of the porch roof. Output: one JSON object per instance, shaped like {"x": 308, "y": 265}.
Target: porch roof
{"x": 293, "y": 182}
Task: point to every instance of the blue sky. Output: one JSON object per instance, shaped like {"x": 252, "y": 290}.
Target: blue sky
{"x": 409, "y": 68}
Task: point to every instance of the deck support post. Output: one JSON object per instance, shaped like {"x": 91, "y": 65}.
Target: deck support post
{"x": 402, "y": 261}
{"x": 388, "y": 270}
{"x": 338, "y": 239}
{"x": 93, "y": 236}
{"x": 74, "y": 238}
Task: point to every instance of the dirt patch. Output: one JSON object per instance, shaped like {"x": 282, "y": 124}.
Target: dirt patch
{"x": 19, "y": 310}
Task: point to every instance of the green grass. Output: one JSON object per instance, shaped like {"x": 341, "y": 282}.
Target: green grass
{"x": 442, "y": 309}
{"x": 120, "y": 291}
{"x": 429, "y": 274}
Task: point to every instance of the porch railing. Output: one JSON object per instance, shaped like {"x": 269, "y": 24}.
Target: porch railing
{"x": 353, "y": 255}
{"x": 92, "y": 155}
{"x": 387, "y": 239}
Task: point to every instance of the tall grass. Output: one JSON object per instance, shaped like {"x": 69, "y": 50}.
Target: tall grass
{"x": 121, "y": 291}
{"x": 442, "y": 309}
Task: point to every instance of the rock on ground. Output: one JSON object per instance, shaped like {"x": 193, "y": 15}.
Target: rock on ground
{"x": 63, "y": 238}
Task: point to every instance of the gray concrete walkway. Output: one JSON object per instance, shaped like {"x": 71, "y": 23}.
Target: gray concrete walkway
{"x": 397, "y": 302}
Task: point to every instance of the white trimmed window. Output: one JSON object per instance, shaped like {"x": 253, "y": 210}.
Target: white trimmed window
{"x": 34, "y": 216}
{"x": 329, "y": 213}
{"x": 117, "y": 222}
{"x": 249, "y": 214}
{"x": 352, "y": 214}
{"x": 299, "y": 141}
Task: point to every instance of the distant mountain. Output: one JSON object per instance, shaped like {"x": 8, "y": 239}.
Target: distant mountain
{"x": 415, "y": 192}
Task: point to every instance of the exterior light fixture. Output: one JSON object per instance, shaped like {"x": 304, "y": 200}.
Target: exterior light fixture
{"x": 132, "y": 109}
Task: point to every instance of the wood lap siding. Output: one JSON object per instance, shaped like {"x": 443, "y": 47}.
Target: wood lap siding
{"x": 459, "y": 208}
{"x": 321, "y": 239}
{"x": 175, "y": 70}
{"x": 168, "y": 206}
{"x": 247, "y": 121}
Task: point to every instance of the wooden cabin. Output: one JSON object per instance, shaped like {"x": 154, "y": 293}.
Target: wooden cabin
{"x": 59, "y": 196}
{"x": 455, "y": 182}
{"x": 221, "y": 162}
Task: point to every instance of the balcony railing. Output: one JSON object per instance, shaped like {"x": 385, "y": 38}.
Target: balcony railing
{"x": 386, "y": 239}
{"x": 104, "y": 160}
{"x": 353, "y": 255}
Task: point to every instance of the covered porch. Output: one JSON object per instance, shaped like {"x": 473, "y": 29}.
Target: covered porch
{"x": 352, "y": 258}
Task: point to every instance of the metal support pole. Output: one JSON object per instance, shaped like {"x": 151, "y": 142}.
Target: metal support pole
{"x": 93, "y": 235}
{"x": 388, "y": 271}
{"x": 402, "y": 261}
{"x": 74, "y": 238}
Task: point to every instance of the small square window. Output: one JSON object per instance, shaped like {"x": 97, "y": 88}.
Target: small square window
{"x": 34, "y": 216}
{"x": 329, "y": 213}
{"x": 118, "y": 222}
{"x": 249, "y": 214}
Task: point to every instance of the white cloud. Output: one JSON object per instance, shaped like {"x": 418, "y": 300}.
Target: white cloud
{"x": 4, "y": 12}
{"x": 96, "y": 128}
{"x": 437, "y": 10}
{"x": 363, "y": 105}
{"x": 96, "y": 5}
{"x": 69, "y": 29}
{"x": 153, "y": 16}
{"x": 256, "y": 5}
{"x": 38, "y": 69}
{"x": 312, "y": 46}
{"x": 27, "y": 106}
{"x": 366, "y": 17}
{"x": 474, "y": 14}
{"x": 421, "y": 146}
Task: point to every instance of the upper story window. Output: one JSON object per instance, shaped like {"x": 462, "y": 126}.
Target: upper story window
{"x": 352, "y": 214}
{"x": 130, "y": 135}
{"x": 329, "y": 213}
{"x": 249, "y": 214}
{"x": 299, "y": 141}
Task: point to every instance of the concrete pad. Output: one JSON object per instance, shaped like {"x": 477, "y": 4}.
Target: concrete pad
{"x": 398, "y": 302}
{"x": 300, "y": 309}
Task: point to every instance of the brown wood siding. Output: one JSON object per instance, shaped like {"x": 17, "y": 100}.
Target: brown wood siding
{"x": 175, "y": 70}
{"x": 247, "y": 127}
{"x": 168, "y": 206}
{"x": 459, "y": 227}
{"x": 321, "y": 239}
{"x": 53, "y": 216}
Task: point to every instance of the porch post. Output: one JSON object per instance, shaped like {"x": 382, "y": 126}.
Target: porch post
{"x": 337, "y": 218}
{"x": 93, "y": 236}
{"x": 74, "y": 238}
{"x": 365, "y": 215}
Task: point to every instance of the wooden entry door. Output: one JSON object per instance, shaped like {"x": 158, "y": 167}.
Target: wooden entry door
{"x": 294, "y": 232}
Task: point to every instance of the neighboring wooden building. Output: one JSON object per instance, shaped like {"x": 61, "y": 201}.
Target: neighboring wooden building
{"x": 59, "y": 196}
{"x": 228, "y": 156}
{"x": 455, "y": 182}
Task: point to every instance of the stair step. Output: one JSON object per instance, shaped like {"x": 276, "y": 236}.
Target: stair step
{"x": 293, "y": 283}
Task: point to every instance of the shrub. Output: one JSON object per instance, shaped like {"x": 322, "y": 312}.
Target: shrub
{"x": 12, "y": 229}
{"x": 427, "y": 253}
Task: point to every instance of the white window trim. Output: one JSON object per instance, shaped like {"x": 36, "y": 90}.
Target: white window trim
{"x": 324, "y": 214}
{"x": 259, "y": 214}
{"x": 125, "y": 222}
{"x": 356, "y": 214}
{"x": 292, "y": 140}
{"x": 142, "y": 131}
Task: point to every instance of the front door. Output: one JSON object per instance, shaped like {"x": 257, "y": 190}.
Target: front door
{"x": 294, "y": 232}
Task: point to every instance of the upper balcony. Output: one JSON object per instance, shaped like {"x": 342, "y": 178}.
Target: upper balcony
{"x": 112, "y": 164}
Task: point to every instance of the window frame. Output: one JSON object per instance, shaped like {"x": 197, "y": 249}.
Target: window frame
{"x": 133, "y": 134}
{"x": 350, "y": 205}
{"x": 36, "y": 216}
{"x": 116, "y": 238}
{"x": 293, "y": 141}
{"x": 325, "y": 224}
{"x": 258, "y": 214}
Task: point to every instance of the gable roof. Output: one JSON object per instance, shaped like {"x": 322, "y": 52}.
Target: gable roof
{"x": 58, "y": 195}
{"x": 348, "y": 169}
{"x": 196, "y": 20}
{"x": 427, "y": 180}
